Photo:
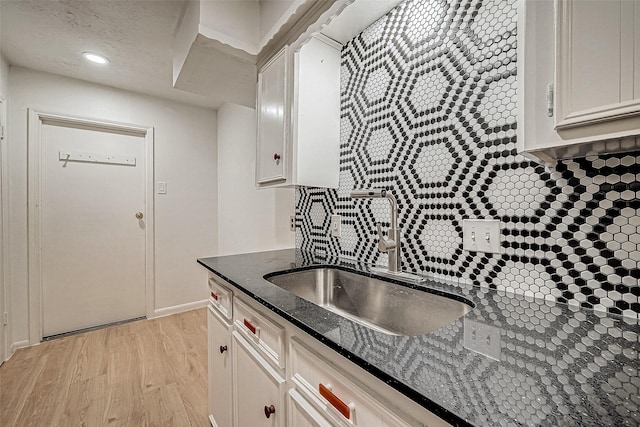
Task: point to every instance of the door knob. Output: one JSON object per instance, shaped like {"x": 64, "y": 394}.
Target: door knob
{"x": 139, "y": 215}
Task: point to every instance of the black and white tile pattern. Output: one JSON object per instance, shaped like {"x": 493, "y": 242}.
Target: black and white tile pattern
{"x": 429, "y": 112}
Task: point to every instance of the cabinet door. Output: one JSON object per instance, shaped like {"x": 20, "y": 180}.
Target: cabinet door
{"x": 273, "y": 122}
{"x": 302, "y": 414}
{"x": 595, "y": 67}
{"x": 258, "y": 389}
{"x": 578, "y": 77}
{"x": 219, "y": 341}
{"x": 316, "y": 128}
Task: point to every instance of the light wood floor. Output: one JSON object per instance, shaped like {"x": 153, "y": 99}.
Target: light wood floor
{"x": 144, "y": 373}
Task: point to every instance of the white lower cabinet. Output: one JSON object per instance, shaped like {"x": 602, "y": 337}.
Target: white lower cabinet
{"x": 263, "y": 371}
{"x": 258, "y": 390}
{"x": 219, "y": 342}
{"x": 301, "y": 413}
{"x": 337, "y": 397}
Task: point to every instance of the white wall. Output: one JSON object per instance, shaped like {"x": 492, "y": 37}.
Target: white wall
{"x": 249, "y": 220}
{"x": 4, "y": 70}
{"x": 4, "y": 76}
{"x": 185, "y": 158}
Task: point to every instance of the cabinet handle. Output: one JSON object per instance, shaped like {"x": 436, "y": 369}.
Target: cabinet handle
{"x": 276, "y": 157}
{"x": 214, "y": 296}
{"x": 250, "y": 326}
{"x": 268, "y": 410}
{"x": 223, "y": 348}
{"x": 335, "y": 401}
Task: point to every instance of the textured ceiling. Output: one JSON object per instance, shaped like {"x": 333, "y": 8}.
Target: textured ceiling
{"x": 136, "y": 36}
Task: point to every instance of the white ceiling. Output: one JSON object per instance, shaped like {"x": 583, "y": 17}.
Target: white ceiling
{"x": 136, "y": 36}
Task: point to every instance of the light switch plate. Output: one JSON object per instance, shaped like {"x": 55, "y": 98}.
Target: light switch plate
{"x": 336, "y": 225}
{"x": 481, "y": 235}
{"x": 162, "y": 187}
{"x": 481, "y": 338}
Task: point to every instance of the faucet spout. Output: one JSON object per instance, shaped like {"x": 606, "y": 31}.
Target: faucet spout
{"x": 379, "y": 193}
{"x": 391, "y": 245}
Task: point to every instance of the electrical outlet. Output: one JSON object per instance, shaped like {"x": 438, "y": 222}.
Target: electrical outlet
{"x": 481, "y": 338}
{"x": 336, "y": 225}
{"x": 481, "y": 235}
{"x": 292, "y": 223}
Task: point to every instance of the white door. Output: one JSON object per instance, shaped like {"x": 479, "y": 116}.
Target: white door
{"x": 92, "y": 244}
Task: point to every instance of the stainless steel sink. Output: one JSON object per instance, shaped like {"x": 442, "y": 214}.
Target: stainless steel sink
{"x": 384, "y": 306}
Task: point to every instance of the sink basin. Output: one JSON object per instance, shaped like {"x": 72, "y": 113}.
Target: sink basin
{"x": 377, "y": 304}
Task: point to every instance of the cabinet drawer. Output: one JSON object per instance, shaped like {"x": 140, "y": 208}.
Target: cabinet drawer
{"x": 265, "y": 335}
{"x": 333, "y": 394}
{"x": 220, "y": 296}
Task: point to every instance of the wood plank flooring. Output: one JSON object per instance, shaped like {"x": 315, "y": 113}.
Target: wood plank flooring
{"x": 144, "y": 373}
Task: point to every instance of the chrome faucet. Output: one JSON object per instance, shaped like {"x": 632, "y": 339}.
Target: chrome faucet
{"x": 392, "y": 245}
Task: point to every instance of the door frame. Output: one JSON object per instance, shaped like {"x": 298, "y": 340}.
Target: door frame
{"x": 36, "y": 119}
{"x": 4, "y": 233}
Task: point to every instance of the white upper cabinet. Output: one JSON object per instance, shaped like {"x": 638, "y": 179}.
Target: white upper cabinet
{"x": 316, "y": 113}
{"x": 579, "y": 77}
{"x": 299, "y": 116}
{"x": 597, "y": 70}
{"x": 273, "y": 123}
{"x": 302, "y": 80}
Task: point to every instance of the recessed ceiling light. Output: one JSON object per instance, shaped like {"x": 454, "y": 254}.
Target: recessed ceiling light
{"x": 95, "y": 58}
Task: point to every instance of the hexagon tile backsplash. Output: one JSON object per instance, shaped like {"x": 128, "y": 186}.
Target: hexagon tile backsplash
{"x": 428, "y": 111}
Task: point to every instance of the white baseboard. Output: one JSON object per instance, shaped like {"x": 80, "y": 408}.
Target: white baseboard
{"x": 167, "y": 311}
{"x": 161, "y": 312}
{"x": 16, "y": 345}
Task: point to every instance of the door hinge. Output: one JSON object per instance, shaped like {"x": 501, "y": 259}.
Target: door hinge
{"x": 5, "y": 318}
{"x": 550, "y": 100}
{"x": 3, "y": 132}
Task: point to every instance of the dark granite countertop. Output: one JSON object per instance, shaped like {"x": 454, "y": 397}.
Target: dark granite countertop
{"x": 559, "y": 365}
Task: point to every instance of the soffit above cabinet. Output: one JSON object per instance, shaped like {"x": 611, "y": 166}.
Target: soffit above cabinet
{"x": 219, "y": 44}
{"x": 339, "y": 20}
{"x": 356, "y": 18}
